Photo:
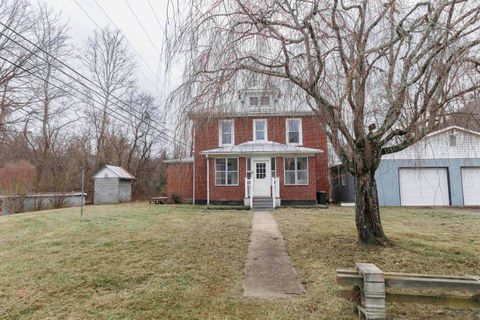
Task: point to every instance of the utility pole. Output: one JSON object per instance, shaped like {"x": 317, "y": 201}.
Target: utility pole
{"x": 83, "y": 195}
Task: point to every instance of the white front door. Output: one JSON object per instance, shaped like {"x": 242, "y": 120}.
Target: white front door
{"x": 261, "y": 177}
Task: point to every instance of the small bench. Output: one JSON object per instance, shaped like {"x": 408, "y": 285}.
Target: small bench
{"x": 369, "y": 285}
{"x": 158, "y": 200}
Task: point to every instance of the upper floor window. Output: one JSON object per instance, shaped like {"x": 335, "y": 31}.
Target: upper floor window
{"x": 294, "y": 131}
{"x": 260, "y": 130}
{"x": 253, "y": 101}
{"x": 226, "y": 132}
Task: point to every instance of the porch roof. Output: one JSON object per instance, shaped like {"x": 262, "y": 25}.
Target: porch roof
{"x": 261, "y": 148}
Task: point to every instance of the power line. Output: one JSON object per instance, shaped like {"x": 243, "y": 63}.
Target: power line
{"x": 68, "y": 67}
{"x": 128, "y": 41}
{"x": 134, "y": 49}
{"x": 125, "y": 120}
{"x": 141, "y": 26}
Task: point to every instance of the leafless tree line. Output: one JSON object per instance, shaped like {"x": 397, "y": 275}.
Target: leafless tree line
{"x": 60, "y": 119}
{"x": 380, "y": 75}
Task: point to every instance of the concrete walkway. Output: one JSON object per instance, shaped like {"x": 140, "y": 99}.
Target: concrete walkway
{"x": 269, "y": 273}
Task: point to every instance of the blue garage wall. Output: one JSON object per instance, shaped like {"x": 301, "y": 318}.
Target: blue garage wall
{"x": 388, "y": 183}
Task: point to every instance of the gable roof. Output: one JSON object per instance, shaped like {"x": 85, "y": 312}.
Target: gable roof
{"x": 458, "y": 128}
{"x": 110, "y": 171}
{"x": 261, "y": 147}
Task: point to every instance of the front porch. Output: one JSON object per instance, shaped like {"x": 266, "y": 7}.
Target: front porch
{"x": 255, "y": 173}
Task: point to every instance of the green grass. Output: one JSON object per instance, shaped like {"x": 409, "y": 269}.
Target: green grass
{"x": 140, "y": 261}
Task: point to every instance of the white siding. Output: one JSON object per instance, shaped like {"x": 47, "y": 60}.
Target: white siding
{"x": 438, "y": 147}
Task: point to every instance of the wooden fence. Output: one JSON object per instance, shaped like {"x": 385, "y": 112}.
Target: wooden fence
{"x": 369, "y": 287}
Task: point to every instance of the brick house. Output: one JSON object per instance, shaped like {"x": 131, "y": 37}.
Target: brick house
{"x": 256, "y": 156}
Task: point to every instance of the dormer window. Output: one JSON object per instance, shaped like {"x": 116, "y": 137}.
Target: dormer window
{"x": 293, "y": 130}
{"x": 254, "y": 101}
{"x": 226, "y": 133}
{"x": 265, "y": 101}
{"x": 260, "y": 130}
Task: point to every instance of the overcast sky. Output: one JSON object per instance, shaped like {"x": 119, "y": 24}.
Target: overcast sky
{"x": 146, "y": 50}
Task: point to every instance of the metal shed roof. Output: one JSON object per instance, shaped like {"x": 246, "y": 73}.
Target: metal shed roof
{"x": 262, "y": 147}
{"x": 110, "y": 171}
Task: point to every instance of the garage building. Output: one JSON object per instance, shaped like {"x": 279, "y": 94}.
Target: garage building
{"x": 443, "y": 169}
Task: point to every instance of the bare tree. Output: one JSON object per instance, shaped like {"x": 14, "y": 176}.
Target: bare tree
{"x": 379, "y": 74}
{"x": 15, "y": 16}
{"x": 49, "y": 115}
{"x": 112, "y": 68}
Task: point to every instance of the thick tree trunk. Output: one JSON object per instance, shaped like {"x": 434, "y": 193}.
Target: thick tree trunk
{"x": 367, "y": 213}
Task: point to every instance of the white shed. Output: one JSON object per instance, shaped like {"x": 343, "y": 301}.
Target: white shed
{"x": 112, "y": 185}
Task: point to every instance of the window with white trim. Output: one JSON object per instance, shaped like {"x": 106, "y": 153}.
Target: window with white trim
{"x": 296, "y": 171}
{"x": 260, "y": 130}
{"x": 225, "y": 132}
{"x": 293, "y": 131}
{"x": 226, "y": 171}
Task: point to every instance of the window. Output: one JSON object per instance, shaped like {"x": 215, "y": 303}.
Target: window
{"x": 272, "y": 167}
{"x": 260, "y": 130}
{"x": 253, "y": 101}
{"x": 260, "y": 170}
{"x": 225, "y": 135}
{"x": 249, "y": 168}
{"x": 265, "y": 101}
{"x": 452, "y": 140}
{"x": 226, "y": 171}
{"x": 294, "y": 131}
{"x": 296, "y": 171}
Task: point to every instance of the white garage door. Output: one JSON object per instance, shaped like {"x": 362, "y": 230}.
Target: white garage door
{"x": 471, "y": 186}
{"x": 424, "y": 187}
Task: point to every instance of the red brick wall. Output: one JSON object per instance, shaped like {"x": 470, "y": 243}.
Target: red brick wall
{"x": 179, "y": 181}
{"x": 206, "y": 137}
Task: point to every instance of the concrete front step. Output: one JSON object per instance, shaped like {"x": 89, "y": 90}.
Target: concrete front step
{"x": 262, "y": 204}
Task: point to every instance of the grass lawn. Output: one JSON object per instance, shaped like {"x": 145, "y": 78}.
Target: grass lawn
{"x": 140, "y": 261}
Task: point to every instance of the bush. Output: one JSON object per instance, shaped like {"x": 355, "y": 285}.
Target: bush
{"x": 176, "y": 198}
{"x": 16, "y": 180}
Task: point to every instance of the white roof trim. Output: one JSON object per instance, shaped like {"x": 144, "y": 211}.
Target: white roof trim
{"x": 262, "y": 148}
{"x": 434, "y": 133}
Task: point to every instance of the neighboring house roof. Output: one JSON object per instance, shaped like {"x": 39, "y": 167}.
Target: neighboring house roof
{"x": 261, "y": 147}
{"x": 110, "y": 171}
{"x": 179, "y": 160}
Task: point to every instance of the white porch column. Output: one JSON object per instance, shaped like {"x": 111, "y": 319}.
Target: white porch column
{"x": 208, "y": 180}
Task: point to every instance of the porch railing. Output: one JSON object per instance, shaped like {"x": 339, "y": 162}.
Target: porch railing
{"x": 249, "y": 190}
{"x": 275, "y": 190}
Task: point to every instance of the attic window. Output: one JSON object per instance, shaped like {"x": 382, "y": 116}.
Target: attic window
{"x": 452, "y": 140}
{"x": 253, "y": 101}
{"x": 265, "y": 101}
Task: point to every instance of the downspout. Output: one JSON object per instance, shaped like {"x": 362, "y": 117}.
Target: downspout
{"x": 208, "y": 180}
{"x": 193, "y": 145}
